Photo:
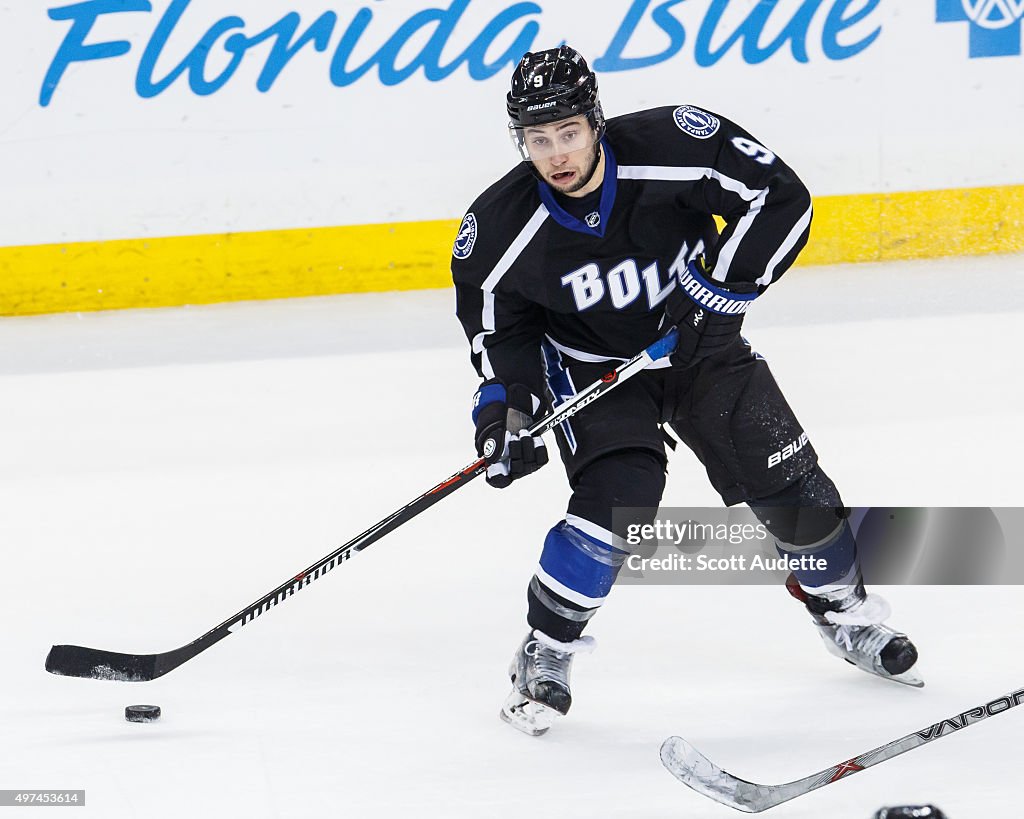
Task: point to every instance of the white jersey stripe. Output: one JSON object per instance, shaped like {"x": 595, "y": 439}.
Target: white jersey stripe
{"x": 728, "y": 251}
{"x": 500, "y": 269}
{"x": 579, "y": 355}
{"x": 756, "y": 198}
{"x": 798, "y": 230}
{"x": 487, "y": 323}
{"x": 670, "y": 174}
{"x": 596, "y": 358}
{"x": 517, "y": 247}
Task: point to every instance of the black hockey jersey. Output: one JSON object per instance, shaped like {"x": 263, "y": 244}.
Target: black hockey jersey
{"x": 526, "y": 269}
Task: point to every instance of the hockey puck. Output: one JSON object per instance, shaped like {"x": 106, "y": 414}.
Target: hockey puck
{"x": 142, "y": 713}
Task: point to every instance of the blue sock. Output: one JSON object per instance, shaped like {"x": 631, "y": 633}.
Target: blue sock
{"x": 838, "y": 550}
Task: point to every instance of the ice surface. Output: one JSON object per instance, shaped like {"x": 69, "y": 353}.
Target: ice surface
{"x": 161, "y": 469}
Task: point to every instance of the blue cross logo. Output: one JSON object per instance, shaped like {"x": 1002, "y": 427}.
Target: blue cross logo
{"x": 995, "y": 24}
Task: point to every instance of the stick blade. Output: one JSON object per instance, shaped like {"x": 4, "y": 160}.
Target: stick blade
{"x": 696, "y": 771}
{"x": 91, "y": 663}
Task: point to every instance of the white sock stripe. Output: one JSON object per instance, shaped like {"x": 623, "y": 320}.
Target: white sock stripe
{"x": 810, "y": 548}
{"x": 592, "y": 529}
{"x": 562, "y": 590}
{"x": 547, "y": 600}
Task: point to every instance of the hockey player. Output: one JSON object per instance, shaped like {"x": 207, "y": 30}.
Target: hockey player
{"x": 573, "y": 262}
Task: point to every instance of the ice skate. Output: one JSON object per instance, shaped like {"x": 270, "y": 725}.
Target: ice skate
{"x": 851, "y": 624}
{"x": 540, "y": 682}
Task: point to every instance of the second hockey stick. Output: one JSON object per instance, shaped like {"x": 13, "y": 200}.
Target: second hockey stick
{"x": 98, "y": 664}
{"x": 692, "y": 768}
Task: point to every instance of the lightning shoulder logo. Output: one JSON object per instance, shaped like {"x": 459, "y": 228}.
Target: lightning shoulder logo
{"x": 467, "y": 237}
{"x": 695, "y": 122}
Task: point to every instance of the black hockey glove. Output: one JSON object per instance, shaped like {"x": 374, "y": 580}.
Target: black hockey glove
{"x": 708, "y": 314}
{"x": 502, "y": 417}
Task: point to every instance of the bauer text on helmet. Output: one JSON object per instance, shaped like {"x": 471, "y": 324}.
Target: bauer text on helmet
{"x": 555, "y": 117}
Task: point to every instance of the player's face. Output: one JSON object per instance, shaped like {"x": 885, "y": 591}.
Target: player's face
{"x": 565, "y": 153}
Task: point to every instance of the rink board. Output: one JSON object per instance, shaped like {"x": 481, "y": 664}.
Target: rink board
{"x": 176, "y": 152}
{"x": 160, "y": 272}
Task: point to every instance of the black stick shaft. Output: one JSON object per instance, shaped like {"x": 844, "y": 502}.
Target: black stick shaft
{"x": 79, "y": 661}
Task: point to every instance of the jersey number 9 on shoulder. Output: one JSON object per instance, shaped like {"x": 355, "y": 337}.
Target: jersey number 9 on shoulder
{"x": 752, "y": 149}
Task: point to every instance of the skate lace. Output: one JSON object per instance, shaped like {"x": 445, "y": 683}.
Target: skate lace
{"x": 867, "y": 641}
{"x": 552, "y": 665}
{"x": 860, "y": 629}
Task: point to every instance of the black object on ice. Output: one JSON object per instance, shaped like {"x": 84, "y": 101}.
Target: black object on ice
{"x": 142, "y": 713}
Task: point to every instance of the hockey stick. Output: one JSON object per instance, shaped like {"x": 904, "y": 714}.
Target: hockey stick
{"x": 78, "y": 661}
{"x": 692, "y": 768}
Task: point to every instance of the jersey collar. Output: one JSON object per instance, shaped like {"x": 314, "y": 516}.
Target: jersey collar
{"x": 604, "y": 210}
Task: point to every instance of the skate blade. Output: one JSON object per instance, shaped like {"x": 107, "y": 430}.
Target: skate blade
{"x": 527, "y": 715}
{"x": 909, "y": 677}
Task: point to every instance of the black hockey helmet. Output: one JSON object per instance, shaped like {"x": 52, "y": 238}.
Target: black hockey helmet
{"x": 552, "y": 85}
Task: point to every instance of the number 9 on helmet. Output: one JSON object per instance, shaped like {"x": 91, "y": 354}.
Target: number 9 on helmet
{"x": 547, "y": 88}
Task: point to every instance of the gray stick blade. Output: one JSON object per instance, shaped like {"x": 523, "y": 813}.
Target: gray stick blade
{"x": 696, "y": 771}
